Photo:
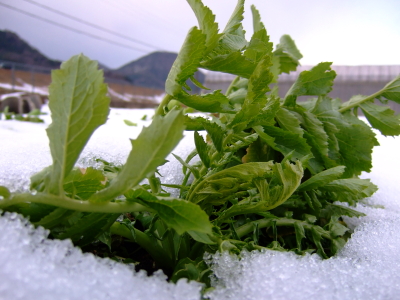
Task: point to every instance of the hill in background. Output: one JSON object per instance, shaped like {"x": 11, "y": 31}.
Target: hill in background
{"x": 15, "y": 49}
{"x": 149, "y": 71}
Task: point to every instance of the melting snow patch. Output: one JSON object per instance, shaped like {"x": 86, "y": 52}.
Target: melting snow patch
{"x": 33, "y": 267}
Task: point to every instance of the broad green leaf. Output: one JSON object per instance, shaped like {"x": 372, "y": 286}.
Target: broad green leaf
{"x": 317, "y": 81}
{"x": 322, "y": 178}
{"x": 216, "y": 133}
{"x": 233, "y": 63}
{"x": 181, "y": 215}
{"x": 78, "y": 104}
{"x": 391, "y": 91}
{"x": 207, "y": 23}
{"x": 148, "y": 152}
{"x": 381, "y": 118}
{"x": 187, "y": 61}
{"x": 202, "y": 149}
{"x": 213, "y": 102}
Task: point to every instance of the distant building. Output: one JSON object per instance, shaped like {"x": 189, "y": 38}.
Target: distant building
{"x": 350, "y": 80}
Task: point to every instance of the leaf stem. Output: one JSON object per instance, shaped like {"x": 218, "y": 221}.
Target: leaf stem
{"x": 234, "y": 81}
{"x": 164, "y": 102}
{"x": 355, "y": 104}
{"x": 68, "y": 203}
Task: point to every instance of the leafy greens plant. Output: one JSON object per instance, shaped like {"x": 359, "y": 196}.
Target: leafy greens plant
{"x": 272, "y": 171}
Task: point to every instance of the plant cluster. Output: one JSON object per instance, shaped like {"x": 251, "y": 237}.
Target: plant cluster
{"x": 272, "y": 171}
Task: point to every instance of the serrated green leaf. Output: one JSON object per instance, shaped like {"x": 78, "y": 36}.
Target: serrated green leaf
{"x": 354, "y": 186}
{"x": 317, "y": 81}
{"x": 233, "y": 63}
{"x": 257, "y": 24}
{"x": 267, "y": 114}
{"x": 391, "y": 91}
{"x": 288, "y": 55}
{"x": 234, "y": 25}
{"x": 338, "y": 211}
{"x": 285, "y": 141}
{"x": 194, "y": 123}
{"x": 216, "y": 133}
{"x": 381, "y": 118}
{"x": 335, "y": 228}
{"x": 213, "y": 102}
{"x": 355, "y": 138}
{"x": 288, "y": 45}
{"x": 207, "y": 23}
{"x": 259, "y": 80}
{"x": 78, "y": 104}
{"x": 181, "y": 215}
{"x": 322, "y": 178}
{"x": 202, "y": 149}
{"x": 148, "y": 152}
{"x": 288, "y": 121}
{"x": 187, "y": 61}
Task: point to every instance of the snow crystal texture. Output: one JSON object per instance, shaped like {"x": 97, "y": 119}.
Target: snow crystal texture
{"x": 33, "y": 267}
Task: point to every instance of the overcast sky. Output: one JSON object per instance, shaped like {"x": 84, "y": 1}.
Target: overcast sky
{"x": 346, "y": 32}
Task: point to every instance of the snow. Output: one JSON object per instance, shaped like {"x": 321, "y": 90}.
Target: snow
{"x": 34, "y": 267}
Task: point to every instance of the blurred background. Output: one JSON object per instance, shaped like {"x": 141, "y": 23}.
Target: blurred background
{"x": 136, "y": 41}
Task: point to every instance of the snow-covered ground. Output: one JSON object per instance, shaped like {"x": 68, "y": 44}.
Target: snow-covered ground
{"x": 33, "y": 267}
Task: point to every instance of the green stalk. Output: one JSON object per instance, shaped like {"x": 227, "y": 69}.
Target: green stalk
{"x": 358, "y": 103}
{"x": 144, "y": 241}
{"x": 164, "y": 102}
{"x": 77, "y": 205}
{"x": 248, "y": 228}
{"x": 228, "y": 91}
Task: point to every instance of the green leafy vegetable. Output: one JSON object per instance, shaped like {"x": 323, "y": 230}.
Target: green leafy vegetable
{"x": 270, "y": 171}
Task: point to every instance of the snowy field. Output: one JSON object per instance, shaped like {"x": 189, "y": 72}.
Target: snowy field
{"x": 33, "y": 267}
